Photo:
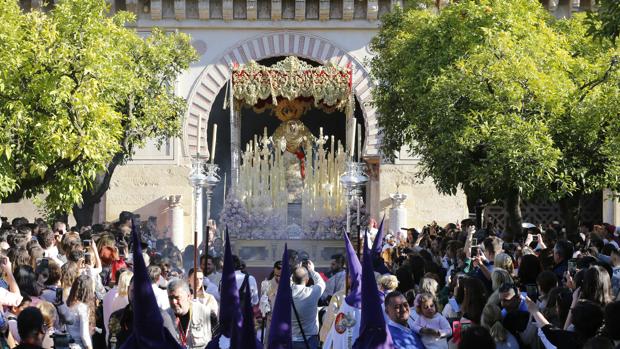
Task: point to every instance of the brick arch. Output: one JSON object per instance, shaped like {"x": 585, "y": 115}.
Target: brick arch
{"x": 214, "y": 77}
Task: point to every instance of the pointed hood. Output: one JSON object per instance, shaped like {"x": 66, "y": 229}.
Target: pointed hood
{"x": 148, "y": 325}
{"x": 354, "y": 297}
{"x": 230, "y": 312}
{"x": 280, "y": 335}
{"x": 377, "y": 245}
{"x": 374, "y": 333}
{"x": 245, "y": 337}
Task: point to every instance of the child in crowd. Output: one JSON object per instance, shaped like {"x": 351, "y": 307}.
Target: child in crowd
{"x": 431, "y": 325}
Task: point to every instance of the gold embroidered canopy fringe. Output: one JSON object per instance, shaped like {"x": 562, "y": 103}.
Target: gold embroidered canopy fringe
{"x": 328, "y": 86}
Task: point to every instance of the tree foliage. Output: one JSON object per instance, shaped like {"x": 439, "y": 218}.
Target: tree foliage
{"x": 605, "y": 23}
{"x": 78, "y": 87}
{"x": 499, "y": 98}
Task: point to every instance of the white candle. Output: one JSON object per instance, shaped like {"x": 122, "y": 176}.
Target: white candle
{"x": 265, "y": 132}
{"x": 359, "y": 142}
{"x": 358, "y": 211}
{"x": 321, "y": 132}
{"x": 213, "y": 142}
{"x": 352, "y": 140}
{"x": 198, "y": 141}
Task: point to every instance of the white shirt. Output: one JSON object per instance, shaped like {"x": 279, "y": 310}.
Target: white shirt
{"x": 107, "y": 306}
{"x": 305, "y": 299}
{"x": 215, "y": 278}
{"x": 52, "y": 253}
{"x": 239, "y": 277}
{"x": 111, "y": 303}
{"x": 211, "y": 288}
{"x": 162, "y": 297}
{"x": 9, "y": 299}
{"x": 80, "y": 328}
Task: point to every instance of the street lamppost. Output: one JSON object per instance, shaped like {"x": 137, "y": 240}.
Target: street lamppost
{"x": 197, "y": 180}
{"x": 352, "y": 180}
{"x": 212, "y": 178}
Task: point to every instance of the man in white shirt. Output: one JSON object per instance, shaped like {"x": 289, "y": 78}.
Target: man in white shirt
{"x": 240, "y": 276}
{"x": 207, "y": 264}
{"x": 160, "y": 295}
{"x": 305, "y": 310}
{"x": 48, "y": 243}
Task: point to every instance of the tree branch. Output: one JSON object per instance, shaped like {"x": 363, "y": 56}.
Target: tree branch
{"x": 589, "y": 86}
{"x": 50, "y": 174}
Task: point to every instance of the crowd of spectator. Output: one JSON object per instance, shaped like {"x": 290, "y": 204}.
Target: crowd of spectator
{"x": 443, "y": 287}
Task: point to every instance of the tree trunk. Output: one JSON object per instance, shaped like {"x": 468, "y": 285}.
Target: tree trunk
{"x": 83, "y": 214}
{"x": 570, "y": 207}
{"x": 513, "y": 209}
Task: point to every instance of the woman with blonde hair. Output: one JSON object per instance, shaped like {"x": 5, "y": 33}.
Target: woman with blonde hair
{"x": 429, "y": 285}
{"x": 504, "y": 261}
{"x": 492, "y": 321}
{"x": 117, "y": 298}
{"x": 387, "y": 283}
{"x": 50, "y": 319}
{"x": 499, "y": 277}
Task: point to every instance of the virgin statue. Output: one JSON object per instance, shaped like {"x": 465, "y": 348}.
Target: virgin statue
{"x": 294, "y": 137}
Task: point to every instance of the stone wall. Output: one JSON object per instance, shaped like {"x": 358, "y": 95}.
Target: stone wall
{"x": 424, "y": 203}
{"x": 144, "y": 189}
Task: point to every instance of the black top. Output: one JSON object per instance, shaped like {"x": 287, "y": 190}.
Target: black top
{"x": 28, "y": 346}
{"x": 561, "y": 338}
{"x": 184, "y": 319}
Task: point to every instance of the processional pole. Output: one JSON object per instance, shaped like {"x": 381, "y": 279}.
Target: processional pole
{"x": 197, "y": 180}
{"x": 212, "y": 178}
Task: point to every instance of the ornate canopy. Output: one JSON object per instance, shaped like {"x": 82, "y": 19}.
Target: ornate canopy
{"x": 291, "y": 78}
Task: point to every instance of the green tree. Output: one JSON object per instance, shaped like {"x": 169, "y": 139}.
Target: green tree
{"x": 587, "y": 132}
{"x": 502, "y": 100}
{"x": 78, "y": 88}
{"x": 605, "y": 22}
{"x": 150, "y": 110}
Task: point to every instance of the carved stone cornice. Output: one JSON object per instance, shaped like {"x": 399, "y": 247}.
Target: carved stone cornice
{"x": 174, "y": 201}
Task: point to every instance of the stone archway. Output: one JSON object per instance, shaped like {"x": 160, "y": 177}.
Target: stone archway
{"x": 215, "y": 76}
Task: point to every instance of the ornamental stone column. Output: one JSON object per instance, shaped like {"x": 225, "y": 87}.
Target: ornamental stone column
{"x": 177, "y": 229}
{"x": 611, "y": 208}
{"x": 398, "y": 215}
